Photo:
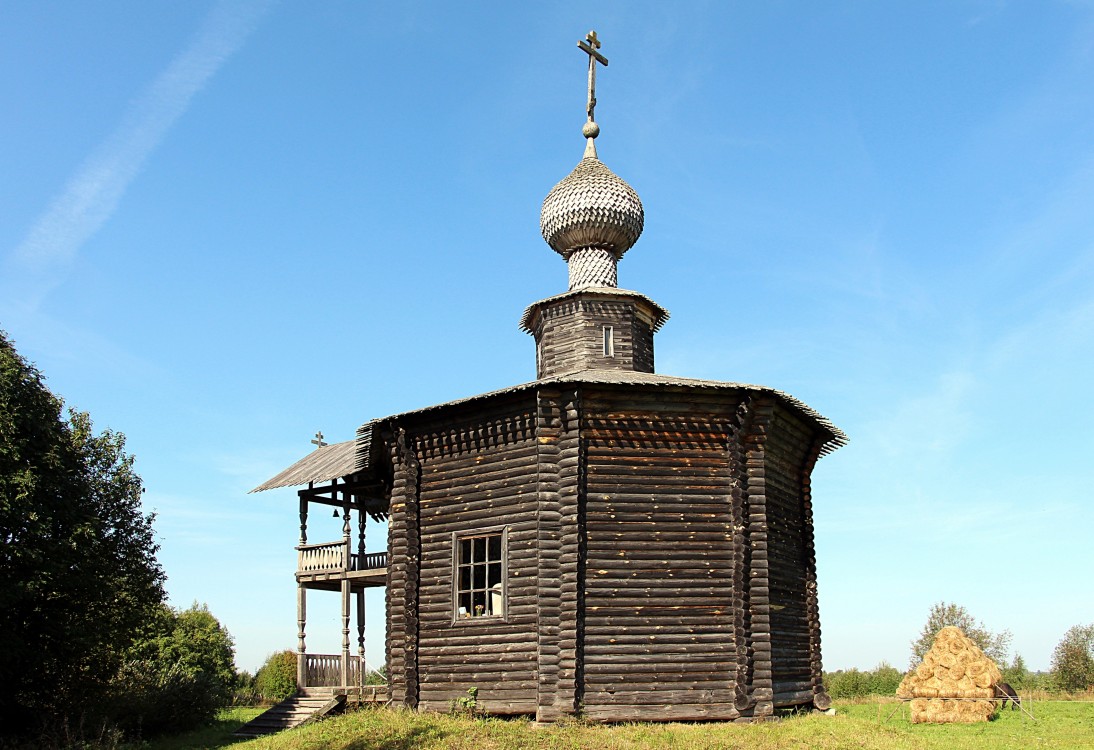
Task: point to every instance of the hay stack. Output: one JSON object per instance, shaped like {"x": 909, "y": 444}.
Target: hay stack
{"x": 954, "y": 682}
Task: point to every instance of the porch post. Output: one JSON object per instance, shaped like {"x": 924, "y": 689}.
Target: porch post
{"x": 347, "y": 566}
{"x": 301, "y": 650}
{"x": 345, "y": 632}
{"x": 361, "y": 636}
{"x": 302, "y": 601}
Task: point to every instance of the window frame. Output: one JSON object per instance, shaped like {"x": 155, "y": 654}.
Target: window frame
{"x": 609, "y": 341}
{"x": 484, "y": 533}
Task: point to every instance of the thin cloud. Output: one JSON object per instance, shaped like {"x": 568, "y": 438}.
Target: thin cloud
{"x": 92, "y": 194}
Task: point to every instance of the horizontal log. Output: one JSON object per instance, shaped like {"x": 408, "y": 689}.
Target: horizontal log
{"x": 725, "y": 711}
{"x": 607, "y": 651}
{"x": 650, "y": 670}
{"x": 493, "y": 650}
{"x": 604, "y": 620}
{"x": 653, "y": 640}
{"x": 796, "y": 698}
{"x": 703, "y": 696}
{"x": 493, "y": 707}
{"x": 652, "y": 683}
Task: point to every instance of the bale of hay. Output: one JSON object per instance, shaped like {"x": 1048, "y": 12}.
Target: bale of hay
{"x": 954, "y": 682}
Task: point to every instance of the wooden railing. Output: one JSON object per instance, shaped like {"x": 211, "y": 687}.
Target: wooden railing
{"x": 370, "y": 561}
{"x": 325, "y": 670}
{"x": 334, "y": 557}
{"x": 318, "y": 558}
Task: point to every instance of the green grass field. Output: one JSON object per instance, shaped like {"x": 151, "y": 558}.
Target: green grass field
{"x": 860, "y": 725}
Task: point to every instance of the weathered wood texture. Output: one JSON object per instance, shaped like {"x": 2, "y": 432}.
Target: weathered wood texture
{"x": 660, "y": 554}
{"x": 557, "y": 440}
{"x": 792, "y": 450}
{"x": 569, "y": 336}
{"x": 478, "y": 474}
{"x": 403, "y": 571}
{"x": 659, "y": 630}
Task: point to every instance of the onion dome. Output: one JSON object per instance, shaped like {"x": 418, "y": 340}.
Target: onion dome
{"x": 591, "y": 208}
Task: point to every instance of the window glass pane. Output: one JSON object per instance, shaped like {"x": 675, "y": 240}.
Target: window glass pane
{"x": 479, "y": 577}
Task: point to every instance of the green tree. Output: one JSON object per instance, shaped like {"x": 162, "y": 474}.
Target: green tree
{"x": 995, "y": 645}
{"x": 1073, "y": 660}
{"x": 276, "y": 678}
{"x": 1017, "y": 674}
{"x": 78, "y": 569}
{"x": 177, "y": 675}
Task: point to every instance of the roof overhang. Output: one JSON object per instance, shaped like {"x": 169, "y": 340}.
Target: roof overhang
{"x": 321, "y": 465}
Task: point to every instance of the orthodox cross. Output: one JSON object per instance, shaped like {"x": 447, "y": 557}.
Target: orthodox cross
{"x": 318, "y": 442}
{"x": 590, "y": 47}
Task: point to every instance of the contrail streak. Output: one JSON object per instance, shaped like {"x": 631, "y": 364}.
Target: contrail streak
{"x": 92, "y": 194}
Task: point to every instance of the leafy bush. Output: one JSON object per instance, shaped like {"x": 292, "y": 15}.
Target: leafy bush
{"x": 245, "y": 693}
{"x": 177, "y": 676}
{"x": 1073, "y": 660}
{"x": 276, "y": 679}
{"x": 853, "y": 683}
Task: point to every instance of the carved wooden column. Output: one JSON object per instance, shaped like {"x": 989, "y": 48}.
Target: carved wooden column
{"x": 361, "y": 518}
{"x": 346, "y": 566}
{"x": 301, "y": 650}
{"x": 361, "y": 636}
{"x": 302, "y": 602}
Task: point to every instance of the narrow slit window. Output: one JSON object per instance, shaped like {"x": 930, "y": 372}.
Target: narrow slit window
{"x": 609, "y": 342}
{"x": 480, "y": 576}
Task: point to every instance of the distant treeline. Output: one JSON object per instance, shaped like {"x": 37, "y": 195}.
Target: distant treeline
{"x": 884, "y": 679}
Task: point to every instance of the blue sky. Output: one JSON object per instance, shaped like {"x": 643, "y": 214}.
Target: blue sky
{"x": 228, "y": 225}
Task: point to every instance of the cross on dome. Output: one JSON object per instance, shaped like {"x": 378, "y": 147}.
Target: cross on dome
{"x": 592, "y": 216}
{"x": 590, "y": 47}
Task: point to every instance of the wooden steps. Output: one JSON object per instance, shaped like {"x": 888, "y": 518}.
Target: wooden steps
{"x": 291, "y": 712}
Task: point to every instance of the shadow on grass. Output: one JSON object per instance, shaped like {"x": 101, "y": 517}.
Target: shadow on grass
{"x": 217, "y": 734}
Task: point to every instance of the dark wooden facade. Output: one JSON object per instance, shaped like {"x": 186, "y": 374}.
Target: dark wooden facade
{"x": 659, "y": 555}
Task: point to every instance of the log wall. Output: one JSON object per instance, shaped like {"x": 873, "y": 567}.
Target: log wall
{"x": 478, "y": 475}
{"x": 791, "y": 451}
{"x": 559, "y": 539}
{"x": 660, "y": 554}
{"x": 569, "y": 337}
{"x": 659, "y": 622}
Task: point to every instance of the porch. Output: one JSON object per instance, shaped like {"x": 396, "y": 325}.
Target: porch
{"x": 326, "y": 565}
{"x": 339, "y": 675}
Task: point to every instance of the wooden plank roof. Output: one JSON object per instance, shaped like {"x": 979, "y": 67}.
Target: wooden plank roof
{"x": 627, "y": 377}
{"x": 341, "y": 459}
{"x": 321, "y": 465}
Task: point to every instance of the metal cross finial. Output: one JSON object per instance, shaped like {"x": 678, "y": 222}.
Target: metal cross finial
{"x": 590, "y": 46}
{"x": 318, "y": 442}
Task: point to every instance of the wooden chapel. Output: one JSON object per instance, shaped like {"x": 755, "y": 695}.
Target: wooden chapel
{"x": 604, "y": 541}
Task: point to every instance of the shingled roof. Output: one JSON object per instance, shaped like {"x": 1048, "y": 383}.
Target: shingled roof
{"x": 628, "y": 377}
{"x": 321, "y": 465}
